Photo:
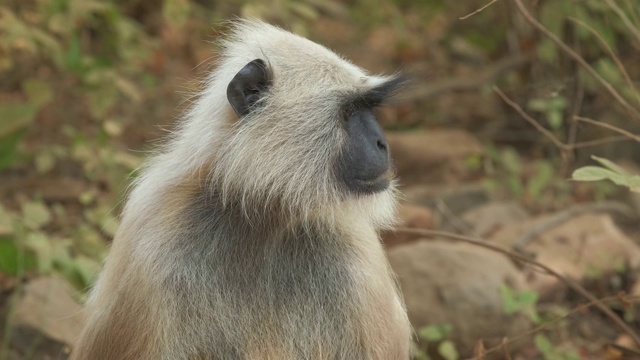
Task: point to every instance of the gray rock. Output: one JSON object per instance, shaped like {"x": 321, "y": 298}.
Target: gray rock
{"x": 48, "y": 307}
{"x": 434, "y": 156}
{"x": 489, "y": 218}
{"x": 460, "y": 285}
{"x": 583, "y": 247}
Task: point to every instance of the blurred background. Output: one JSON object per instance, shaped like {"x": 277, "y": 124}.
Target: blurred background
{"x": 517, "y": 108}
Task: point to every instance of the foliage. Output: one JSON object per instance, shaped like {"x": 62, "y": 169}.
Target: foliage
{"x": 520, "y": 302}
{"x": 608, "y": 171}
{"x": 96, "y": 53}
{"x": 91, "y": 43}
{"x": 552, "y": 352}
{"x": 597, "y": 27}
{"x": 26, "y": 247}
{"x": 538, "y": 184}
{"x": 436, "y": 335}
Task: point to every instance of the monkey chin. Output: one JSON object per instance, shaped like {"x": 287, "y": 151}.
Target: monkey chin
{"x": 375, "y": 185}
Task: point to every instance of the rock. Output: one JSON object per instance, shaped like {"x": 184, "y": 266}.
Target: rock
{"x": 411, "y": 216}
{"x": 457, "y": 198}
{"x": 434, "y": 156}
{"x": 47, "y": 307}
{"x": 585, "y": 246}
{"x": 487, "y": 219}
{"x": 449, "y": 202}
{"x": 460, "y": 285}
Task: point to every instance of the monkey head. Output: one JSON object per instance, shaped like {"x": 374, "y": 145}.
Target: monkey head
{"x": 300, "y": 128}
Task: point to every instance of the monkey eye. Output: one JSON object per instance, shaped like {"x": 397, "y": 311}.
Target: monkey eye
{"x": 347, "y": 112}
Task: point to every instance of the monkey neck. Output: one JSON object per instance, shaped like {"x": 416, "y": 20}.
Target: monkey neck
{"x": 293, "y": 257}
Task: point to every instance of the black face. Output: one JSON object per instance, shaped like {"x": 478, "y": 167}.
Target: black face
{"x": 364, "y": 164}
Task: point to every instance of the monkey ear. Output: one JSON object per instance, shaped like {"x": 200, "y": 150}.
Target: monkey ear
{"x": 246, "y": 87}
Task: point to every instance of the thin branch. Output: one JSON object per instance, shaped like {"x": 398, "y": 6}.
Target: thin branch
{"x": 531, "y": 120}
{"x": 563, "y": 216}
{"x": 597, "y": 142}
{"x": 632, "y": 11}
{"x": 610, "y": 127}
{"x": 555, "y": 140}
{"x": 453, "y": 219}
{"x": 575, "y": 286}
{"x": 569, "y": 156}
{"x": 576, "y": 57}
{"x": 477, "y": 11}
{"x": 487, "y": 75}
{"x": 613, "y": 56}
{"x": 625, "y": 20}
{"x": 578, "y": 309}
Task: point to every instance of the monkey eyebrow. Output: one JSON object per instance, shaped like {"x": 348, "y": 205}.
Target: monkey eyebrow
{"x": 378, "y": 94}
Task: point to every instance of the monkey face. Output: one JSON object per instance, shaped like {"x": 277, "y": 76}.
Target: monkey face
{"x": 364, "y": 165}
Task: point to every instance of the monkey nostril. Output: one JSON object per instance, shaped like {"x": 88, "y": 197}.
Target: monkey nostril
{"x": 381, "y": 145}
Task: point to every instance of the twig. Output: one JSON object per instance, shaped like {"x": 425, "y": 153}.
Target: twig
{"x": 632, "y": 8}
{"x": 569, "y": 282}
{"x": 484, "y": 76}
{"x": 548, "y": 324}
{"x": 477, "y": 11}
{"x": 453, "y": 219}
{"x": 561, "y": 217}
{"x": 596, "y": 142}
{"x": 612, "y": 55}
{"x": 625, "y": 20}
{"x": 505, "y": 348}
{"x": 576, "y": 57}
{"x": 573, "y": 124}
{"x": 531, "y": 120}
{"x": 625, "y": 351}
{"x": 626, "y": 135}
{"x": 610, "y": 127}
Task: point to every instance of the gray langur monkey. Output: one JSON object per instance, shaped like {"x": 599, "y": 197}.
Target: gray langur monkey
{"x": 254, "y": 233}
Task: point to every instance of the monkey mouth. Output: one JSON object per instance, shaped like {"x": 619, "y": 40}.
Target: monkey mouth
{"x": 377, "y": 184}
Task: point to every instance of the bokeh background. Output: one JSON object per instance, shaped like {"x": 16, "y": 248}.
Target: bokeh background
{"x": 509, "y": 98}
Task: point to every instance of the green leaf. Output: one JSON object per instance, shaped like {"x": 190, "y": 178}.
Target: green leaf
{"x": 511, "y": 161}
{"x": 40, "y": 245}
{"x": 13, "y": 260}
{"x": 544, "y": 345}
{"x": 73, "y": 56}
{"x": 15, "y": 117}
{"x": 529, "y": 297}
{"x": 523, "y": 302}
{"x": 6, "y": 222}
{"x": 547, "y": 51}
{"x": 594, "y": 173}
{"x": 176, "y": 12}
{"x": 435, "y": 332}
{"x": 44, "y": 162}
{"x": 541, "y": 179}
{"x": 448, "y": 350}
{"x": 102, "y": 100}
{"x": 8, "y": 256}
{"x": 303, "y": 10}
{"x": 540, "y": 105}
{"x": 609, "y": 71}
{"x": 35, "y": 215}
{"x": 39, "y": 92}
{"x": 87, "y": 269}
{"x": 609, "y": 165}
